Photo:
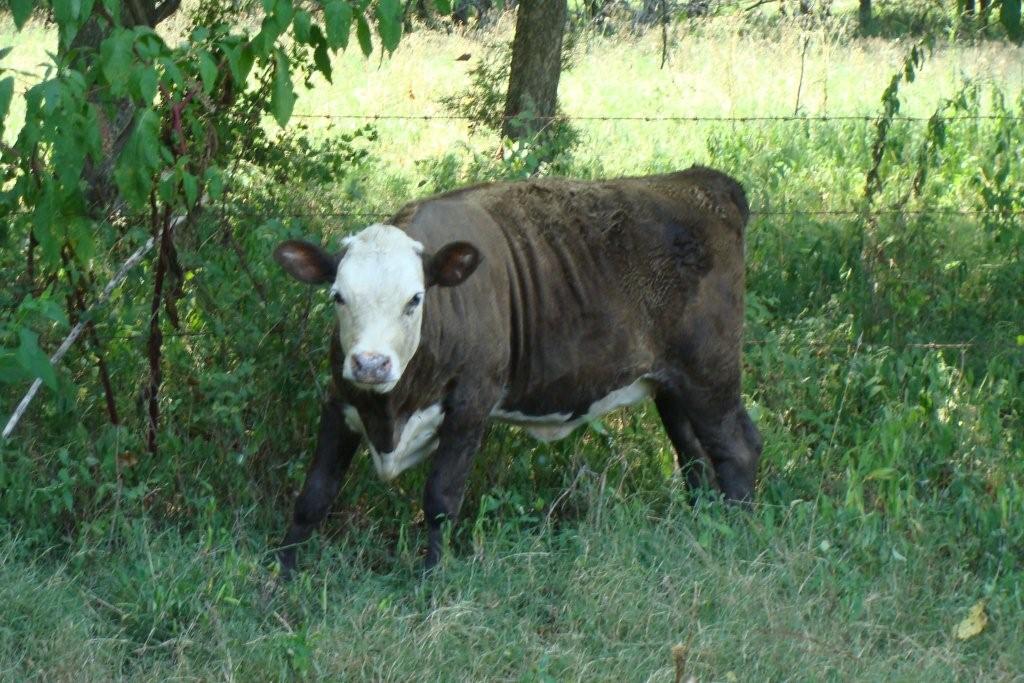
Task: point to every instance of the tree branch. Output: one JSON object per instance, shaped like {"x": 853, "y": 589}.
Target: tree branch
{"x": 164, "y": 10}
{"x": 759, "y": 3}
{"x": 155, "y": 344}
{"x": 102, "y": 11}
{"x": 76, "y": 309}
{"x": 139, "y": 15}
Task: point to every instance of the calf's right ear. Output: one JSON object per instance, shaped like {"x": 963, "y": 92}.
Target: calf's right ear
{"x": 452, "y": 265}
{"x": 307, "y": 262}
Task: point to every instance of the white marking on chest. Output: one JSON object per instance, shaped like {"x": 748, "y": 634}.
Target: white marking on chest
{"x": 559, "y": 425}
{"x": 417, "y": 441}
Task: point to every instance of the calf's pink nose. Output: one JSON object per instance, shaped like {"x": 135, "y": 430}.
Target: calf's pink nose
{"x": 371, "y": 368}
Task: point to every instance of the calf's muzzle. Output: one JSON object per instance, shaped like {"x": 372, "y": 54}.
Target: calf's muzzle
{"x": 371, "y": 368}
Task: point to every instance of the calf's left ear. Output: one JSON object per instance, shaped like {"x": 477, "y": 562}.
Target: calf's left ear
{"x": 452, "y": 265}
{"x": 307, "y": 262}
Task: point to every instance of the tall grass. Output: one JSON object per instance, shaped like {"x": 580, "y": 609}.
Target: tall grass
{"x": 892, "y": 483}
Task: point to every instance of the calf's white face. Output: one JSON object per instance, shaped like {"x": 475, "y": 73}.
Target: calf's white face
{"x": 378, "y": 295}
{"x": 377, "y": 283}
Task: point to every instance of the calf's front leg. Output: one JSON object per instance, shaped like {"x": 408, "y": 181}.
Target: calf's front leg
{"x": 459, "y": 439}
{"x": 336, "y": 444}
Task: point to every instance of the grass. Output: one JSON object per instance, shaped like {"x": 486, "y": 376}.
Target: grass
{"x": 892, "y": 482}
{"x": 788, "y": 593}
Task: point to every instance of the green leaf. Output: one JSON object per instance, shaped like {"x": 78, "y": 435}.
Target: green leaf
{"x": 207, "y": 71}
{"x": 389, "y": 18}
{"x": 167, "y": 189}
{"x": 443, "y": 6}
{"x": 32, "y": 359}
{"x": 1009, "y": 15}
{"x": 66, "y": 11}
{"x": 21, "y": 10}
{"x": 214, "y": 181}
{"x": 282, "y": 96}
{"x": 42, "y": 221}
{"x": 337, "y": 21}
{"x": 47, "y": 308}
{"x": 283, "y": 13}
{"x": 148, "y": 80}
{"x": 49, "y": 246}
{"x": 148, "y": 45}
{"x": 69, "y": 156}
{"x": 240, "y": 61}
{"x": 116, "y": 60}
{"x": 363, "y": 33}
{"x": 302, "y": 23}
{"x": 140, "y": 159}
{"x": 52, "y": 94}
{"x": 6, "y": 93}
{"x": 80, "y": 233}
{"x": 882, "y": 474}
{"x": 10, "y": 369}
{"x": 191, "y": 186}
{"x": 172, "y": 71}
{"x": 114, "y": 9}
{"x": 321, "y": 57}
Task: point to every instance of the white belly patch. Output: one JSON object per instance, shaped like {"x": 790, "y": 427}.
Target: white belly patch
{"x": 418, "y": 440}
{"x": 559, "y": 425}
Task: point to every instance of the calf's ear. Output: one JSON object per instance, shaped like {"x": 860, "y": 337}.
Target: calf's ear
{"x": 452, "y": 265}
{"x": 307, "y": 262}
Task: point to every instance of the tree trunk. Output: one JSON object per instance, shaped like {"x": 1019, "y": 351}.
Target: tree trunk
{"x": 864, "y": 13}
{"x": 536, "y": 67}
{"x": 969, "y": 7}
{"x": 116, "y": 118}
{"x": 460, "y": 11}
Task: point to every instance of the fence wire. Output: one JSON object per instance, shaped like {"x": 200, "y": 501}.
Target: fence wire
{"x": 867, "y": 213}
{"x": 962, "y": 346}
{"x": 815, "y": 118}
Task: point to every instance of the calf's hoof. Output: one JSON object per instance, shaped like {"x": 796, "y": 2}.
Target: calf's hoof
{"x": 286, "y": 564}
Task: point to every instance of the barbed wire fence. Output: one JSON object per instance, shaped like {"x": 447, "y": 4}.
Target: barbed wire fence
{"x": 810, "y": 118}
{"x": 961, "y": 346}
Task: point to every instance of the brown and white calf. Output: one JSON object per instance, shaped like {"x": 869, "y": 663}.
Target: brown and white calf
{"x": 543, "y": 303}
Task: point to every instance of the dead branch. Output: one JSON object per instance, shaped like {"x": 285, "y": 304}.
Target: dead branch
{"x": 155, "y": 344}
{"x": 76, "y": 332}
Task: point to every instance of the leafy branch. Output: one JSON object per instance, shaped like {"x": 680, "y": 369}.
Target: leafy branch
{"x": 127, "y": 130}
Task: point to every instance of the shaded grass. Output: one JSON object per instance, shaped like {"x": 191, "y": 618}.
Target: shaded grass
{"x": 787, "y": 593}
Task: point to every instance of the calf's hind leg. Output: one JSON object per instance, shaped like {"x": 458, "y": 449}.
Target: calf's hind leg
{"x": 734, "y": 446}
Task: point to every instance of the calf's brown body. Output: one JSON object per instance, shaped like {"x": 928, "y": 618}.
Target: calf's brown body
{"x": 583, "y": 288}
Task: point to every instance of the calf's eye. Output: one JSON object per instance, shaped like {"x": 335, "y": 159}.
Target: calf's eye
{"x": 337, "y": 298}
{"x": 413, "y": 303}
